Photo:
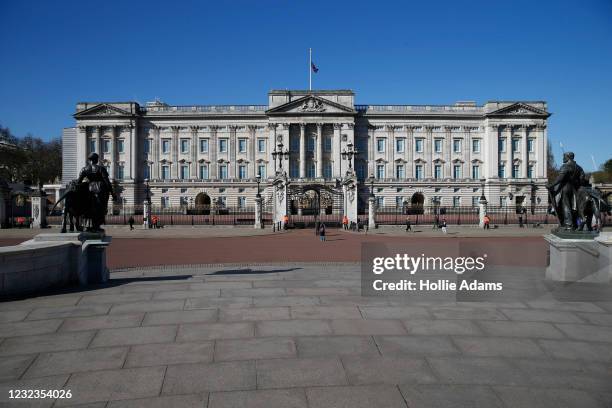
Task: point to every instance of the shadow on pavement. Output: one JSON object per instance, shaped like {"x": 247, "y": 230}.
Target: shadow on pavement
{"x": 249, "y": 271}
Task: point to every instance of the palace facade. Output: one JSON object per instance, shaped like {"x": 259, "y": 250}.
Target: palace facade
{"x": 406, "y": 154}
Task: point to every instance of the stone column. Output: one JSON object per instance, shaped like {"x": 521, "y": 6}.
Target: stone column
{"x": 542, "y": 148}
{"x": 155, "y": 149}
{"x": 252, "y": 145}
{"x": 525, "y": 161}
{"x": 232, "y": 152}
{"x": 82, "y": 147}
{"x": 409, "y": 151}
{"x": 272, "y": 166}
{"x": 134, "y": 151}
{"x": 371, "y": 142}
{"x": 319, "y": 150}
{"x": 258, "y": 212}
{"x": 372, "y": 212}
{"x": 287, "y": 143}
{"x": 509, "y": 153}
{"x": 428, "y": 155}
{"x": 96, "y": 137}
{"x": 467, "y": 153}
{"x": 194, "y": 152}
{"x": 302, "y": 150}
{"x": 112, "y": 153}
{"x": 174, "y": 148}
{"x": 490, "y": 152}
{"x": 448, "y": 152}
{"x": 337, "y": 151}
{"x": 350, "y": 138}
{"x": 146, "y": 211}
{"x": 39, "y": 209}
{"x": 482, "y": 210}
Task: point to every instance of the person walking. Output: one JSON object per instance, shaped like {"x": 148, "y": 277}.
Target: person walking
{"x": 322, "y": 232}
{"x": 345, "y": 222}
{"x": 285, "y": 222}
{"x": 487, "y": 222}
{"x": 131, "y": 222}
{"x": 408, "y": 226}
{"x": 317, "y": 226}
{"x": 443, "y": 225}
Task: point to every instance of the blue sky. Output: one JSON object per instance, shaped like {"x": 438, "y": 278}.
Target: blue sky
{"x": 220, "y": 52}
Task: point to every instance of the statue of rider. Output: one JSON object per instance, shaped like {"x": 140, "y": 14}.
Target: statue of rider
{"x": 564, "y": 191}
{"x": 100, "y": 188}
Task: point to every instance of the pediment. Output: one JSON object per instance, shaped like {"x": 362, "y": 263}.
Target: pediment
{"x": 311, "y": 105}
{"x": 102, "y": 110}
{"x": 519, "y": 109}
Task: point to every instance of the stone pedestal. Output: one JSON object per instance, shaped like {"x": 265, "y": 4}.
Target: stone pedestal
{"x": 579, "y": 260}
{"x": 482, "y": 211}
{"x": 146, "y": 214}
{"x": 279, "y": 186}
{"x": 258, "y": 212}
{"x": 39, "y": 209}
{"x": 349, "y": 189}
{"x": 372, "y": 212}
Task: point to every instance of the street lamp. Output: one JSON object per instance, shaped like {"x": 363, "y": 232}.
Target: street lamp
{"x": 371, "y": 185}
{"x": 349, "y": 154}
{"x": 258, "y": 179}
{"x": 281, "y": 154}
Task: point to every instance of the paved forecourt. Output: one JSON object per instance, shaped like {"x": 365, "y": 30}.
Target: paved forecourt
{"x": 299, "y": 335}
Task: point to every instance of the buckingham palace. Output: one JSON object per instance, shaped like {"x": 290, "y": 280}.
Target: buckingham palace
{"x": 175, "y": 155}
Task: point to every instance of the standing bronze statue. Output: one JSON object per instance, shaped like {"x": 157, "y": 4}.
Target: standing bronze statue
{"x": 573, "y": 200}
{"x": 99, "y": 187}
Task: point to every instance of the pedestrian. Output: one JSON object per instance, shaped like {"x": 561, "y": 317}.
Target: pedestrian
{"x": 322, "y": 232}
{"x": 317, "y": 226}
{"x": 436, "y": 222}
{"x": 408, "y": 226}
{"x": 131, "y": 222}
{"x": 286, "y": 222}
{"x": 443, "y": 225}
{"x": 345, "y": 222}
{"x": 487, "y": 222}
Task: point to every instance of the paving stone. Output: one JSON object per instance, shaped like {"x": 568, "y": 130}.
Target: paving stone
{"x": 476, "y": 370}
{"x": 394, "y": 312}
{"x": 387, "y": 370}
{"x": 564, "y": 373}
{"x": 321, "y": 346}
{"x": 286, "y": 301}
{"x": 304, "y": 372}
{"x": 577, "y": 350}
{"x": 252, "y": 349}
{"x": 292, "y": 328}
{"x": 290, "y": 398}
{"x": 437, "y": 396}
{"x": 604, "y": 319}
{"x": 170, "y": 353}
{"x": 178, "y": 401}
{"x": 46, "y": 342}
{"x": 102, "y": 322}
{"x": 284, "y": 283}
{"x": 227, "y": 302}
{"x": 112, "y": 385}
{"x": 253, "y": 292}
{"x": 532, "y": 315}
{"x": 28, "y": 328}
{"x": 520, "y": 329}
{"x": 415, "y": 345}
{"x": 154, "y": 287}
{"x": 519, "y": 397}
{"x": 66, "y": 362}
{"x": 228, "y": 376}
{"x": 337, "y": 283}
{"x": 586, "y": 332}
{"x": 12, "y": 367}
{"x": 367, "y": 327}
{"x": 211, "y": 331}
{"x": 441, "y": 327}
{"x": 46, "y": 383}
{"x": 318, "y": 291}
{"x": 114, "y": 298}
{"x": 253, "y": 313}
{"x": 498, "y": 346}
{"x": 185, "y": 294}
{"x": 354, "y": 300}
{"x": 565, "y": 306}
{"x": 221, "y": 285}
{"x": 134, "y": 335}
{"x": 151, "y": 306}
{"x": 472, "y": 313}
{"x": 368, "y": 396}
{"x": 325, "y": 312}
{"x": 68, "y": 311}
{"x": 182, "y": 316}
{"x": 7, "y": 316}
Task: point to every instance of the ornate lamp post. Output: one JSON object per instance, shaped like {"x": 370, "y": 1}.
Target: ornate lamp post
{"x": 372, "y": 205}
{"x": 281, "y": 154}
{"x": 349, "y": 154}
{"x": 258, "y": 180}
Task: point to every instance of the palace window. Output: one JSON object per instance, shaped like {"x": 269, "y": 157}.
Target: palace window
{"x": 380, "y": 202}
{"x": 516, "y": 172}
{"x": 380, "y": 171}
{"x": 242, "y": 202}
{"x": 531, "y": 145}
{"x": 146, "y": 171}
{"x": 294, "y": 169}
{"x": 222, "y": 145}
{"x": 183, "y": 201}
{"x": 503, "y": 201}
{"x": 501, "y": 144}
{"x": 311, "y": 144}
{"x": 327, "y": 144}
{"x": 242, "y": 171}
{"x": 261, "y": 145}
{"x": 203, "y": 171}
{"x": 120, "y": 172}
{"x": 165, "y": 202}
{"x": 399, "y": 171}
{"x": 438, "y": 145}
{"x": 184, "y": 146}
{"x": 120, "y": 145}
{"x": 147, "y": 146}
{"x": 438, "y": 171}
{"x": 311, "y": 171}
{"x": 457, "y": 171}
{"x": 418, "y": 171}
{"x": 92, "y": 145}
{"x": 222, "y": 202}
{"x": 327, "y": 170}
{"x": 457, "y": 145}
{"x": 501, "y": 171}
{"x": 165, "y": 172}
{"x": 456, "y": 201}
{"x": 418, "y": 145}
{"x": 106, "y": 145}
{"x": 530, "y": 171}
{"x": 203, "y": 145}
{"x": 223, "y": 171}
{"x": 400, "y": 145}
{"x": 516, "y": 143}
{"x": 183, "y": 190}
{"x": 475, "y": 201}
{"x": 476, "y": 145}
{"x": 261, "y": 170}
{"x": 380, "y": 145}
{"x": 184, "y": 172}
{"x": 475, "y": 172}
{"x": 242, "y": 145}
{"x": 399, "y": 201}
{"x": 165, "y": 146}
{"x": 360, "y": 169}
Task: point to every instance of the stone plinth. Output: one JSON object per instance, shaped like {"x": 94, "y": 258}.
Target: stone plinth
{"x": 579, "y": 260}
{"x": 372, "y": 212}
{"x": 39, "y": 209}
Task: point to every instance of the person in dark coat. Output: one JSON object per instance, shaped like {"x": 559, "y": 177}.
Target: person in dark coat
{"x": 322, "y": 232}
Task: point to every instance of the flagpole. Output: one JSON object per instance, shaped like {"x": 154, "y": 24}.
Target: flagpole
{"x": 310, "y": 69}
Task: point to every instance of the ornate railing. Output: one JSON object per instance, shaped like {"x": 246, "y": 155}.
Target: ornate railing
{"x": 417, "y": 108}
{"x": 205, "y": 109}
